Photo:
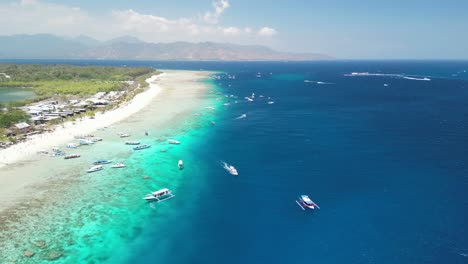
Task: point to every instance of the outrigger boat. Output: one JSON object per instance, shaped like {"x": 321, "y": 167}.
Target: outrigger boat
{"x": 159, "y": 196}
{"x": 132, "y": 143}
{"x": 305, "y": 202}
{"x": 118, "y": 165}
{"x": 100, "y": 162}
{"x": 72, "y": 156}
{"x": 180, "y": 164}
{"x": 94, "y": 168}
{"x": 174, "y": 142}
{"x": 141, "y": 147}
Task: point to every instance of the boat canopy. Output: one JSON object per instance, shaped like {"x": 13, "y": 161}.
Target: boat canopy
{"x": 162, "y": 191}
{"x": 306, "y": 199}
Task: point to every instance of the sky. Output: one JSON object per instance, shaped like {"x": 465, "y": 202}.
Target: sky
{"x": 345, "y": 29}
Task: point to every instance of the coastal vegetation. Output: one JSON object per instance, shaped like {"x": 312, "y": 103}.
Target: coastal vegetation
{"x": 62, "y": 82}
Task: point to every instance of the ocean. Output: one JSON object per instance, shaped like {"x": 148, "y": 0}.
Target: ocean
{"x": 380, "y": 146}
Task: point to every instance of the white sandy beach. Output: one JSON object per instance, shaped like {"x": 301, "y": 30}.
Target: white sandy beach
{"x": 70, "y": 129}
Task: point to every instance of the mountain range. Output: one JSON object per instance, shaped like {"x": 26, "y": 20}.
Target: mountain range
{"x": 46, "y": 46}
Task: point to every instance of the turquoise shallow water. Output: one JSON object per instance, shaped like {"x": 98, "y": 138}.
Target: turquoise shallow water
{"x": 87, "y": 218}
{"x": 384, "y": 156}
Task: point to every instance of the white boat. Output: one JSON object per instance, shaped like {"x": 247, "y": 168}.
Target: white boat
{"x": 132, "y": 143}
{"x": 271, "y": 102}
{"x": 42, "y": 152}
{"x": 248, "y": 99}
{"x": 230, "y": 169}
{"x": 159, "y": 196}
{"x": 305, "y": 202}
{"x": 141, "y": 147}
{"x": 94, "y": 168}
{"x": 118, "y": 165}
{"x": 210, "y": 107}
{"x": 174, "y": 142}
{"x": 124, "y": 135}
{"x": 72, "y": 145}
{"x": 96, "y": 139}
{"x": 180, "y": 164}
{"x": 86, "y": 142}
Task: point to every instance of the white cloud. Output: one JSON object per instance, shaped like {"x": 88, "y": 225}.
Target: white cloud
{"x": 40, "y": 16}
{"x": 219, "y": 7}
{"x": 267, "y": 32}
{"x": 231, "y": 31}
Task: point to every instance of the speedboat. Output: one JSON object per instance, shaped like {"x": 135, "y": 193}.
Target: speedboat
{"x": 94, "y": 168}
{"x": 72, "y": 156}
{"x": 159, "y": 196}
{"x": 141, "y": 147}
{"x": 230, "y": 169}
{"x": 271, "y": 102}
{"x": 101, "y": 162}
{"x": 180, "y": 164}
{"x": 248, "y": 99}
{"x": 132, "y": 143}
{"x": 118, "y": 165}
{"x": 174, "y": 142}
{"x": 305, "y": 202}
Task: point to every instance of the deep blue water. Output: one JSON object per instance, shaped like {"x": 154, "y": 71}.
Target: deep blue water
{"x": 388, "y": 165}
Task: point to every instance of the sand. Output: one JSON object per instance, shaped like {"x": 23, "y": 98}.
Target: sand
{"x": 62, "y": 134}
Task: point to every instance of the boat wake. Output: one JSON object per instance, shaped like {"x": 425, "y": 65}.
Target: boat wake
{"x": 395, "y": 75}
{"x": 241, "y": 116}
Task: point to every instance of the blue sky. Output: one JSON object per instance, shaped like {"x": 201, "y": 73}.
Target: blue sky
{"x": 411, "y": 29}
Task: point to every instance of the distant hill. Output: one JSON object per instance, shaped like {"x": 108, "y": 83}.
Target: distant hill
{"x": 45, "y": 46}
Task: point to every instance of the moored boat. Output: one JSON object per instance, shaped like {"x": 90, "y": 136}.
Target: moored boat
{"x": 72, "y": 156}
{"x": 180, "y": 164}
{"x": 305, "y": 202}
{"x": 94, "y": 168}
{"x": 159, "y": 195}
{"x": 101, "y": 162}
{"x": 86, "y": 142}
{"x": 72, "y": 145}
{"x": 132, "y": 143}
{"x": 174, "y": 142}
{"x": 141, "y": 147}
{"x": 118, "y": 165}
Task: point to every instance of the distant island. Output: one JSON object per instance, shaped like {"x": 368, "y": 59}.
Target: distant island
{"x": 46, "y": 46}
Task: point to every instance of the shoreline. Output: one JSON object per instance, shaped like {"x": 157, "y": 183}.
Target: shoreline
{"x": 68, "y": 130}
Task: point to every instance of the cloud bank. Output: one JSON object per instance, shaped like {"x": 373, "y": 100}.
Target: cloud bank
{"x": 40, "y": 16}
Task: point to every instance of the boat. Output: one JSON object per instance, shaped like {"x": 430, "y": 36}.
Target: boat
{"x": 180, "y": 164}
{"x": 124, "y": 135}
{"x": 230, "y": 169}
{"x": 132, "y": 143}
{"x": 96, "y": 139}
{"x": 72, "y": 156}
{"x": 159, "y": 196}
{"x": 174, "y": 142}
{"x": 271, "y": 102}
{"x": 86, "y": 142}
{"x": 210, "y": 107}
{"x": 248, "y": 99}
{"x": 101, "y": 162}
{"x": 42, "y": 152}
{"x": 305, "y": 202}
{"x": 141, "y": 147}
{"x": 72, "y": 145}
{"x": 94, "y": 168}
{"x": 118, "y": 165}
